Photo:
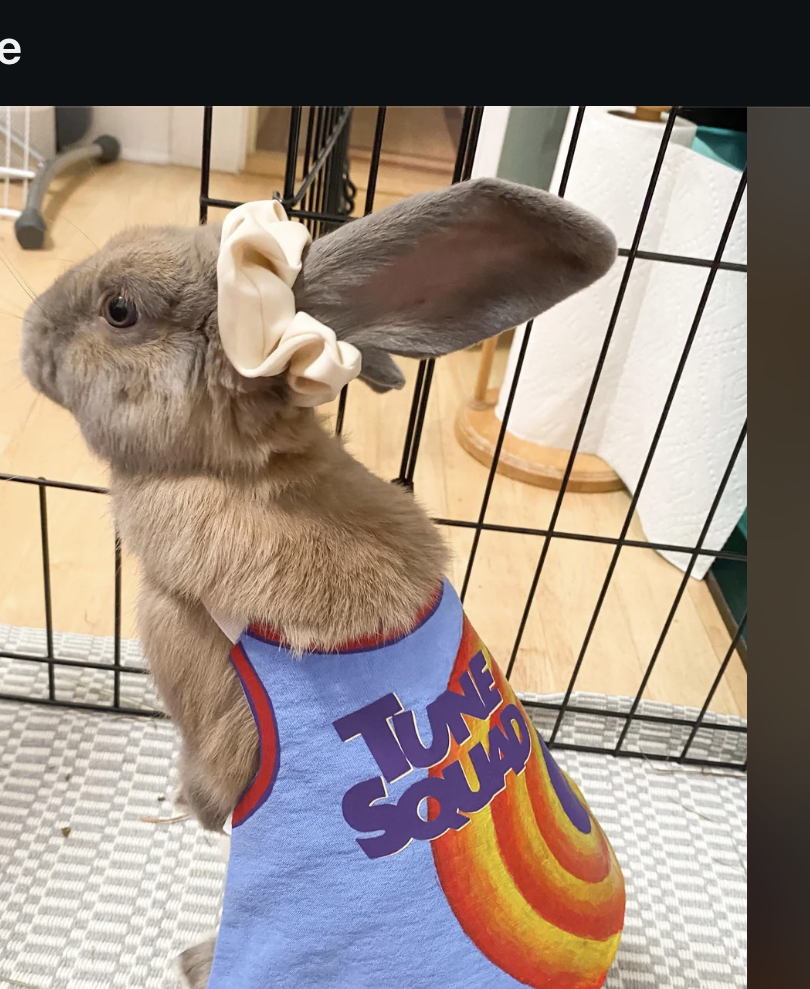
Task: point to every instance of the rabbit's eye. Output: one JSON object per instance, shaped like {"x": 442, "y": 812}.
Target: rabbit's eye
{"x": 120, "y": 312}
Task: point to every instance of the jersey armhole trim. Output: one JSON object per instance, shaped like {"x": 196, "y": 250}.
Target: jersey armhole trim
{"x": 269, "y": 748}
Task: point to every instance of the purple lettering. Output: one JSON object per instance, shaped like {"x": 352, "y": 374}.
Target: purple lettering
{"x": 451, "y": 705}
{"x": 415, "y": 751}
{"x": 445, "y": 715}
{"x": 398, "y": 749}
{"x": 518, "y": 737}
{"x": 499, "y": 750}
{"x": 490, "y": 694}
{"x": 363, "y": 814}
{"x": 371, "y": 722}
{"x": 507, "y": 751}
{"x": 490, "y": 769}
{"x": 448, "y": 817}
{"x": 467, "y": 800}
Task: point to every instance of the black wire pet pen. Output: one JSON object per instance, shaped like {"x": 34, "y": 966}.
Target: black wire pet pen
{"x": 323, "y": 196}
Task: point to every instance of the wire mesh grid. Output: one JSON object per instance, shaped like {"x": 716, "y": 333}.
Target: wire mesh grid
{"x": 16, "y": 156}
{"x": 321, "y": 194}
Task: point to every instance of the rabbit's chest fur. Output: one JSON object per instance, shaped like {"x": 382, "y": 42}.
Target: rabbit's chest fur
{"x": 318, "y": 547}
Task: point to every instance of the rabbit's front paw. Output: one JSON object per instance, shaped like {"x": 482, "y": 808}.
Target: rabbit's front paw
{"x": 193, "y": 966}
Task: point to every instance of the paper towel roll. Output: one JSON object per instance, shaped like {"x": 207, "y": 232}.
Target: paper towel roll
{"x": 609, "y": 177}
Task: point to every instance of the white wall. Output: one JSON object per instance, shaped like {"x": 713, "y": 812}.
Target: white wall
{"x": 228, "y": 136}
{"x": 144, "y": 131}
{"x": 173, "y": 134}
{"x": 490, "y": 141}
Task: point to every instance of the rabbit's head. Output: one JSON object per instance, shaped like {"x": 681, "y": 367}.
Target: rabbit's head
{"x": 128, "y": 340}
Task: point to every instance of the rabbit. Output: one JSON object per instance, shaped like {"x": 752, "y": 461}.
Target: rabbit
{"x": 237, "y": 502}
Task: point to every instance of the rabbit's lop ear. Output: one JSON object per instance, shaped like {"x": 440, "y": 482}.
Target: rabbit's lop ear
{"x": 442, "y": 270}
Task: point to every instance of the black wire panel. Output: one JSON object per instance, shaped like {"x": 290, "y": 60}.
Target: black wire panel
{"x": 321, "y": 195}
{"x": 648, "y": 461}
{"x": 319, "y": 190}
{"x": 417, "y": 417}
{"x": 51, "y": 659}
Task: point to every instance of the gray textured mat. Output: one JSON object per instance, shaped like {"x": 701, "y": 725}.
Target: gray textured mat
{"x": 110, "y": 904}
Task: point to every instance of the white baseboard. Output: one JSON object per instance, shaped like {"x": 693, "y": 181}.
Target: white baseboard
{"x": 145, "y": 156}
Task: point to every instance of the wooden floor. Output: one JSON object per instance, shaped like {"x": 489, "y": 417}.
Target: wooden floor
{"x": 37, "y": 438}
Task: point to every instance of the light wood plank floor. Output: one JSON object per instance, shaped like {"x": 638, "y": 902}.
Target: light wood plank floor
{"x": 36, "y": 438}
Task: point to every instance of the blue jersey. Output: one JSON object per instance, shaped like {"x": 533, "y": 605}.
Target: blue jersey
{"x": 407, "y": 827}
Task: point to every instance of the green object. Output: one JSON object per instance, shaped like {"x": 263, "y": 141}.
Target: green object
{"x": 732, "y": 575}
{"x": 729, "y": 147}
{"x": 531, "y": 144}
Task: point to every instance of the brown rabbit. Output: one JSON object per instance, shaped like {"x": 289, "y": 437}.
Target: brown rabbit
{"x": 236, "y": 501}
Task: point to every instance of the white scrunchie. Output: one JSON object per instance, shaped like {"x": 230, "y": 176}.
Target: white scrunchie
{"x": 261, "y": 333}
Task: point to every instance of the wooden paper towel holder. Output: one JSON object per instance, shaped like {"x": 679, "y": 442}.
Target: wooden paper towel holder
{"x": 647, "y": 114}
{"x": 477, "y": 429}
{"x": 651, "y": 113}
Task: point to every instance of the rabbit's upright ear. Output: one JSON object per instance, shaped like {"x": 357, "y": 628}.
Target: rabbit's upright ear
{"x": 442, "y": 270}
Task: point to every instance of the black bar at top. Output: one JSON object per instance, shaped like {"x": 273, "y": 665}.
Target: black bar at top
{"x": 46, "y": 586}
{"x": 655, "y": 440}
{"x": 205, "y": 165}
{"x": 597, "y": 374}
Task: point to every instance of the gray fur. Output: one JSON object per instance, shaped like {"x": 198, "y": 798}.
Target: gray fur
{"x": 193, "y": 966}
{"x": 380, "y": 372}
{"x": 442, "y": 270}
{"x": 159, "y": 396}
{"x": 232, "y": 498}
